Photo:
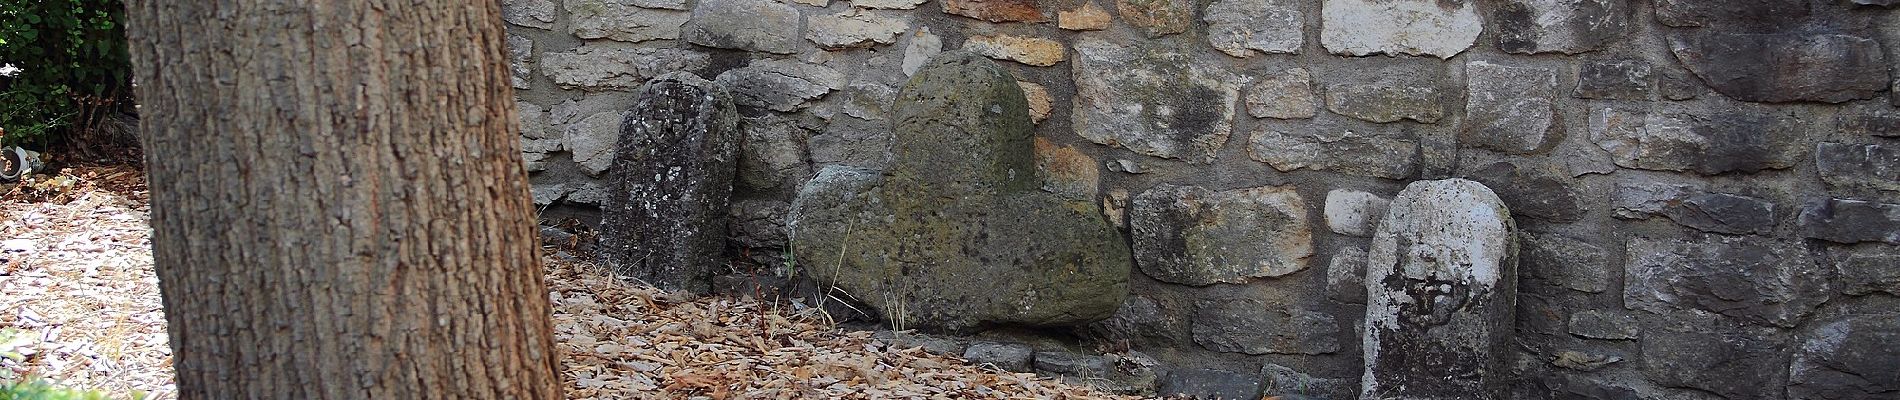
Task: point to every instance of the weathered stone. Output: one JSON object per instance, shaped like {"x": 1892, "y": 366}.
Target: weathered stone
{"x": 1615, "y": 80}
{"x": 868, "y": 101}
{"x": 814, "y": 3}
{"x": 923, "y": 45}
{"x": 1335, "y": 149}
{"x": 1252, "y": 326}
{"x": 888, "y": 4}
{"x": 1067, "y": 363}
{"x": 1784, "y": 67}
{"x": 1354, "y": 213}
{"x": 1287, "y": 95}
{"x": 1066, "y": 171}
{"x": 616, "y": 66}
{"x": 750, "y": 25}
{"x": 1670, "y": 137}
{"x": 1749, "y": 278}
{"x": 1710, "y": 354}
{"x": 1511, "y": 109}
{"x": 1282, "y": 383}
{"x": 529, "y": 13}
{"x": 855, "y": 29}
{"x": 520, "y": 60}
{"x": 1202, "y": 383}
{"x": 996, "y": 10}
{"x": 1557, "y": 260}
{"x": 955, "y": 234}
{"x": 1559, "y": 26}
{"x": 1240, "y": 27}
{"x": 1193, "y": 236}
{"x": 933, "y": 344}
{"x": 591, "y": 141}
{"x": 1708, "y": 212}
{"x": 1390, "y": 100}
{"x": 1040, "y": 103}
{"x": 780, "y": 85}
{"x": 592, "y": 193}
{"x": 1868, "y": 268}
{"x": 666, "y": 222}
{"x": 773, "y": 155}
{"x": 1140, "y": 320}
{"x": 1440, "y": 283}
{"x": 760, "y": 224}
{"x": 1604, "y": 325}
{"x": 1152, "y": 101}
{"x": 1851, "y": 221}
{"x": 853, "y": 142}
{"x": 1866, "y": 166}
{"x": 1851, "y": 357}
{"x": 1008, "y": 356}
{"x": 1532, "y": 193}
{"x": 534, "y": 121}
{"x": 1157, "y": 18}
{"x": 1394, "y": 27}
{"x": 1882, "y": 3}
{"x": 1739, "y": 15}
{"x": 1027, "y": 50}
{"x": 1586, "y": 362}
{"x": 1346, "y": 276}
{"x": 622, "y": 21}
{"x": 548, "y": 194}
{"x": 1874, "y": 124}
{"x": 1088, "y": 17}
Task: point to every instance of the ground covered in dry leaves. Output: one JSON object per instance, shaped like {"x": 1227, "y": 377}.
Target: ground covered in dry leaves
{"x": 79, "y": 305}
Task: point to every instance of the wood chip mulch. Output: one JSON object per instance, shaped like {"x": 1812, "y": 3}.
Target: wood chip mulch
{"x": 78, "y": 290}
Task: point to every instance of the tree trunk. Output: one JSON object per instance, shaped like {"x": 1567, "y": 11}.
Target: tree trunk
{"x": 339, "y": 204}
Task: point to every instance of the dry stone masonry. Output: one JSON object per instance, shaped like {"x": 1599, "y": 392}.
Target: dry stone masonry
{"x": 1193, "y": 196}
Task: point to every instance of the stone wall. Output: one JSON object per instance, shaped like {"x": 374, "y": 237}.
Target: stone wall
{"x": 1707, "y": 191}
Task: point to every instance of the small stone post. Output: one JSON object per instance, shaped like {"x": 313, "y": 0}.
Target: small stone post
{"x": 672, "y": 176}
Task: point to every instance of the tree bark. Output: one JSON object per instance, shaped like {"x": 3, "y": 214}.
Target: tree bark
{"x": 339, "y": 204}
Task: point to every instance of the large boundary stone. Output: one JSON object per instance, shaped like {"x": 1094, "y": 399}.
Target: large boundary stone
{"x": 666, "y": 221}
{"x": 1441, "y": 284}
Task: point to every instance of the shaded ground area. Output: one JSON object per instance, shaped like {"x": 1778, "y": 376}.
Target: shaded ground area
{"x": 78, "y": 292}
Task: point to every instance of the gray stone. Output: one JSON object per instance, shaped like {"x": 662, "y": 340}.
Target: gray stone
{"x": 520, "y": 60}
{"x": 1202, "y": 383}
{"x": 1557, "y": 260}
{"x": 1354, "y": 213}
{"x": 1007, "y": 356}
{"x": 1067, "y": 363}
{"x": 1160, "y": 103}
{"x": 1851, "y": 221}
{"x": 933, "y": 344}
{"x": 1864, "y": 166}
{"x": 611, "y": 66}
{"x": 889, "y": 4}
{"x": 1389, "y": 100}
{"x": 1241, "y": 27}
{"x": 1157, "y": 18}
{"x": 1282, "y": 383}
{"x": 1140, "y": 320}
{"x": 1194, "y": 236}
{"x": 1623, "y": 79}
{"x": 1335, "y": 149}
{"x": 1882, "y": 124}
{"x": 534, "y": 121}
{"x": 1286, "y": 95}
{"x": 591, "y": 141}
{"x": 1868, "y": 268}
{"x": 1710, "y": 354}
{"x": 923, "y": 45}
{"x": 1740, "y": 15}
{"x": 1440, "y": 283}
{"x": 1749, "y": 278}
{"x": 1882, "y": 3}
{"x": 1559, "y": 26}
{"x": 1511, "y": 109}
{"x": 781, "y": 85}
{"x": 1252, "y": 326}
{"x": 1399, "y": 27}
{"x": 548, "y": 194}
{"x": 956, "y": 233}
{"x": 760, "y": 224}
{"x": 529, "y": 13}
{"x": 592, "y": 193}
{"x": 1784, "y": 67}
{"x": 666, "y": 222}
{"x": 1532, "y": 193}
{"x": 868, "y": 101}
{"x": 1581, "y": 361}
{"x": 750, "y": 25}
{"x": 1671, "y": 137}
{"x": 1708, "y": 212}
{"x": 1604, "y": 325}
{"x": 773, "y": 156}
{"x": 1679, "y": 86}
{"x": 856, "y": 29}
{"x": 1851, "y": 357}
{"x": 622, "y": 20}
{"x": 1346, "y": 276}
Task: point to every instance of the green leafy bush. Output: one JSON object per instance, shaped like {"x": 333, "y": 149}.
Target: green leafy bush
{"x": 73, "y": 69}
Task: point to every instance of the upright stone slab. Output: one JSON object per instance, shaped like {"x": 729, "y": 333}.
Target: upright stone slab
{"x": 665, "y": 222}
{"x": 957, "y": 234}
{"x": 1440, "y": 283}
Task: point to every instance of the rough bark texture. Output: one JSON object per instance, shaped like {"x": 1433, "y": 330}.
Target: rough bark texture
{"x": 673, "y": 171}
{"x": 339, "y": 202}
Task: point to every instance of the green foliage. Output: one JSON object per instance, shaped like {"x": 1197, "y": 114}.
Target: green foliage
{"x": 73, "y": 66}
